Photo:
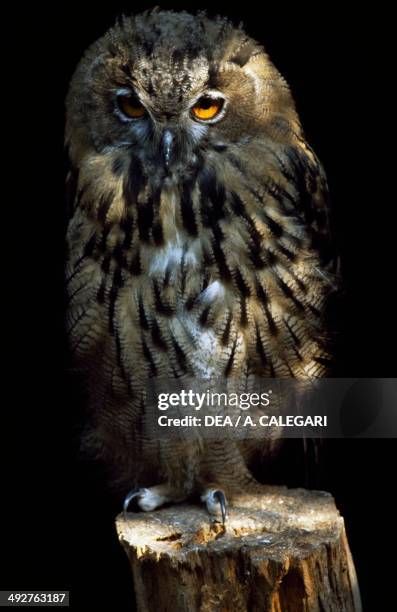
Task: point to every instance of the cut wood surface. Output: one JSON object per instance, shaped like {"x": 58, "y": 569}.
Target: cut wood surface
{"x": 282, "y": 551}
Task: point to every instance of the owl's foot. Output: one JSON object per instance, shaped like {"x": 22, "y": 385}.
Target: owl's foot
{"x": 150, "y": 499}
{"x": 216, "y": 503}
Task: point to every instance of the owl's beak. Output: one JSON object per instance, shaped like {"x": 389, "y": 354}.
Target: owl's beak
{"x": 167, "y": 146}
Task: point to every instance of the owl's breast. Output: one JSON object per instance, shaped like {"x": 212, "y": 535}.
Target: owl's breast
{"x": 187, "y": 312}
{"x": 163, "y": 296}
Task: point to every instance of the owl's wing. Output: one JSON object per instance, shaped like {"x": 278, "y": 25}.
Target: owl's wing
{"x": 313, "y": 201}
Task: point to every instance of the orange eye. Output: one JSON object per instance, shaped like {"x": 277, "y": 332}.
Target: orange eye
{"x": 207, "y": 108}
{"x": 131, "y": 106}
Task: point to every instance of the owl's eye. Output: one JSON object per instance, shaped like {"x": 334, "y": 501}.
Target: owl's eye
{"x": 207, "y": 108}
{"x": 130, "y": 106}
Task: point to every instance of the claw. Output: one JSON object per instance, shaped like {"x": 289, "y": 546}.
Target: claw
{"x": 220, "y": 497}
{"x": 128, "y": 499}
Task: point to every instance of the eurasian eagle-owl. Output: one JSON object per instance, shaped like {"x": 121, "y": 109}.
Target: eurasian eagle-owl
{"x": 198, "y": 239}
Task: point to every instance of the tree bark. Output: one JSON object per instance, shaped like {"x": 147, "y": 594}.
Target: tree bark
{"x": 283, "y": 551}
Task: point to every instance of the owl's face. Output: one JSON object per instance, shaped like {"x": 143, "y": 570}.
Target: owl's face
{"x": 169, "y": 87}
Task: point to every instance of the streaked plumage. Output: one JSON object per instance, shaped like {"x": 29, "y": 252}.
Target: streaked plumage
{"x": 194, "y": 249}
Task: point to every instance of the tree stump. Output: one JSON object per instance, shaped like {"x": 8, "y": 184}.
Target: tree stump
{"x": 283, "y": 551}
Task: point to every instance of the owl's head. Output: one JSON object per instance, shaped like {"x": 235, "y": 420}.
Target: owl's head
{"x": 168, "y": 88}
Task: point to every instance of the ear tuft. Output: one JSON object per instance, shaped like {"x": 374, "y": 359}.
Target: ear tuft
{"x": 247, "y": 49}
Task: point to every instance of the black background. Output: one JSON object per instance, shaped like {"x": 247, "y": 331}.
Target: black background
{"x": 57, "y": 522}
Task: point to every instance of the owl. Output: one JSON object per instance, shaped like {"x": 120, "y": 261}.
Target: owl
{"x": 198, "y": 242}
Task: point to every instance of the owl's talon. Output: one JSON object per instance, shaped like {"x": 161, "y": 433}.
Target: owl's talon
{"x": 154, "y": 497}
{"x": 129, "y": 497}
{"x": 215, "y": 499}
{"x": 220, "y": 497}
